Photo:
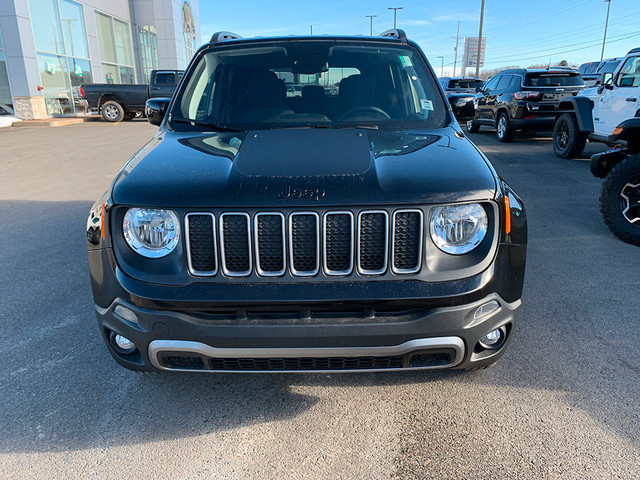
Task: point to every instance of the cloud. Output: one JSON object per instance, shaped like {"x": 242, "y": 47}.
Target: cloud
{"x": 416, "y": 22}
{"x": 454, "y": 17}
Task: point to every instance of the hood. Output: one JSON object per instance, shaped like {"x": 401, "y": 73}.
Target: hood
{"x": 306, "y": 167}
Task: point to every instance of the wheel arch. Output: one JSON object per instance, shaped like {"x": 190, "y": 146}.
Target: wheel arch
{"x": 582, "y": 108}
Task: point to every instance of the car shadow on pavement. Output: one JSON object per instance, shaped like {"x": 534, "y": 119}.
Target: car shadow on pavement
{"x": 61, "y": 390}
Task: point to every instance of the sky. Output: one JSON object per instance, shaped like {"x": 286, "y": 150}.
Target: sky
{"x": 518, "y": 33}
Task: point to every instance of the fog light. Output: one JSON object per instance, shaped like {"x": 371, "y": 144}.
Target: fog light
{"x": 125, "y": 313}
{"x": 124, "y": 344}
{"x": 493, "y": 339}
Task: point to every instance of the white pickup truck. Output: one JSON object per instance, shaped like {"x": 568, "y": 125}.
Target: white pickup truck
{"x": 597, "y": 111}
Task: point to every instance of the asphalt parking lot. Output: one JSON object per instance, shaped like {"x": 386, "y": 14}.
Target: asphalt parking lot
{"x": 562, "y": 403}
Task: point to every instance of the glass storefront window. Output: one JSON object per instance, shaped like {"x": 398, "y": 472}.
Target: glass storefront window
{"x": 116, "y": 49}
{"x": 55, "y": 80}
{"x": 75, "y": 41}
{"x": 188, "y": 33}
{"x": 105, "y": 38}
{"x": 148, "y": 50}
{"x": 6, "y": 100}
{"x": 124, "y": 51}
{"x": 63, "y": 55}
{"x": 46, "y": 26}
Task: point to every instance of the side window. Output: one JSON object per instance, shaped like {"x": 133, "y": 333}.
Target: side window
{"x": 504, "y": 82}
{"x": 491, "y": 85}
{"x": 165, "y": 78}
{"x": 629, "y": 75}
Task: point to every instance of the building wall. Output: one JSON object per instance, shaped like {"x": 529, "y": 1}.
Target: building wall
{"x": 20, "y": 47}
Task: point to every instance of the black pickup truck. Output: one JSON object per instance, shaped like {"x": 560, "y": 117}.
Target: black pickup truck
{"x": 123, "y": 102}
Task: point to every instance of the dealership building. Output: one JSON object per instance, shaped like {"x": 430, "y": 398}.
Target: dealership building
{"x": 48, "y": 48}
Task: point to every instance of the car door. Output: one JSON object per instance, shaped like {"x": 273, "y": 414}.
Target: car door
{"x": 485, "y": 100}
{"x": 164, "y": 83}
{"x": 620, "y": 102}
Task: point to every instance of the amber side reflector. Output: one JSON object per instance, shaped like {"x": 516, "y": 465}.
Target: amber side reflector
{"x": 102, "y": 219}
{"x": 616, "y": 131}
{"x": 507, "y": 215}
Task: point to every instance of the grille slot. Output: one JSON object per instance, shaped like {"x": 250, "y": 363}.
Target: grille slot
{"x": 304, "y": 243}
{"x": 235, "y": 244}
{"x": 306, "y": 363}
{"x": 269, "y": 244}
{"x": 338, "y": 243}
{"x": 201, "y": 241}
{"x": 373, "y": 239}
{"x": 407, "y": 241}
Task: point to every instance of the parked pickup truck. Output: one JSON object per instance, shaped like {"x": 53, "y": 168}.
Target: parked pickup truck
{"x": 123, "y": 102}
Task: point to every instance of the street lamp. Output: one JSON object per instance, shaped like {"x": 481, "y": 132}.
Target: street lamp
{"x": 442, "y": 66}
{"x": 371, "y": 17}
{"x": 606, "y": 25}
{"x": 395, "y": 12}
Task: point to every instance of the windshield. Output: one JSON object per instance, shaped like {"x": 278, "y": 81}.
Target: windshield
{"x": 466, "y": 83}
{"x": 310, "y": 83}
{"x": 553, "y": 79}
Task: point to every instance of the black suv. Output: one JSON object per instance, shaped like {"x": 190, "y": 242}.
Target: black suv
{"x": 351, "y": 227}
{"x": 522, "y": 99}
{"x": 460, "y": 92}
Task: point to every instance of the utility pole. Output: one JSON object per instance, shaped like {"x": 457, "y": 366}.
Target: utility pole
{"x": 442, "y": 66}
{"x": 455, "y": 58}
{"x": 311, "y": 29}
{"x": 371, "y": 17}
{"x": 606, "y": 25}
{"x": 395, "y": 11}
{"x": 479, "y": 40}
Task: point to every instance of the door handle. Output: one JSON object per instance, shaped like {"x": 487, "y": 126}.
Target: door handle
{"x": 155, "y": 88}
{"x": 631, "y": 99}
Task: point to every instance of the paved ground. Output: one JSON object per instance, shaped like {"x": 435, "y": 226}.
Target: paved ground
{"x": 562, "y": 403}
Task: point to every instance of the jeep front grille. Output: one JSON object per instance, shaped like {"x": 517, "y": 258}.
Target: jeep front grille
{"x": 305, "y": 243}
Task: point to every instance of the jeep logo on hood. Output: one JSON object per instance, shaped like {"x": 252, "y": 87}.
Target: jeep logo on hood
{"x": 296, "y": 193}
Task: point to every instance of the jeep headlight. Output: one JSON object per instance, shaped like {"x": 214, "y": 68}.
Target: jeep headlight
{"x": 151, "y": 232}
{"x": 458, "y": 229}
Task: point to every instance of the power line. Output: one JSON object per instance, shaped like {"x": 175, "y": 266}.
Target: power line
{"x": 516, "y": 59}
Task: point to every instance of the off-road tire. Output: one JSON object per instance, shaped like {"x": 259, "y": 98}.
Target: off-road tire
{"x": 568, "y": 140}
{"x": 622, "y": 180}
{"x": 112, "y": 111}
{"x": 472, "y": 126}
{"x": 504, "y": 131}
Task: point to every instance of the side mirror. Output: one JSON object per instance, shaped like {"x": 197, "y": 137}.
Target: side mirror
{"x": 155, "y": 109}
{"x": 607, "y": 79}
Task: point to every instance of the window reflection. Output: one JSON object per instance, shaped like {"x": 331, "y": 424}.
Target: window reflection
{"x": 116, "y": 49}
{"x": 6, "y": 100}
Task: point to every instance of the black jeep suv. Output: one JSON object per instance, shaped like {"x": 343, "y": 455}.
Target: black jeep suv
{"x": 461, "y": 92}
{"x": 352, "y": 227}
{"x": 523, "y": 99}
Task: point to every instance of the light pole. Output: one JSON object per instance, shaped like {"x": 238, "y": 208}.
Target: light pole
{"x": 455, "y": 58}
{"x": 442, "y": 65}
{"x": 606, "y": 25}
{"x": 371, "y": 17}
{"x": 395, "y": 12}
{"x": 479, "y": 40}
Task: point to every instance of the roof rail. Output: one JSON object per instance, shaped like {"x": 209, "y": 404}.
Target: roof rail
{"x": 223, "y": 36}
{"x": 394, "y": 33}
{"x": 634, "y": 50}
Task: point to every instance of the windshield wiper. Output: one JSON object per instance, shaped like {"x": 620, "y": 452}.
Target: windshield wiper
{"x": 212, "y": 126}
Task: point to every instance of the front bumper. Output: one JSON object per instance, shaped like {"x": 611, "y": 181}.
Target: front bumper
{"x": 169, "y": 340}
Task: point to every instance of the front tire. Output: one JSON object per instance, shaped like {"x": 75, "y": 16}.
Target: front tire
{"x": 568, "y": 140}
{"x": 472, "y": 126}
{"x": 504, "y": 130}
{"x": 112, "y": 111}
{"x": 620, "y": 200}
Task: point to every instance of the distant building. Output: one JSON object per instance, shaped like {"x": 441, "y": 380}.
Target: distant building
{"x": 48, "y": 48}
